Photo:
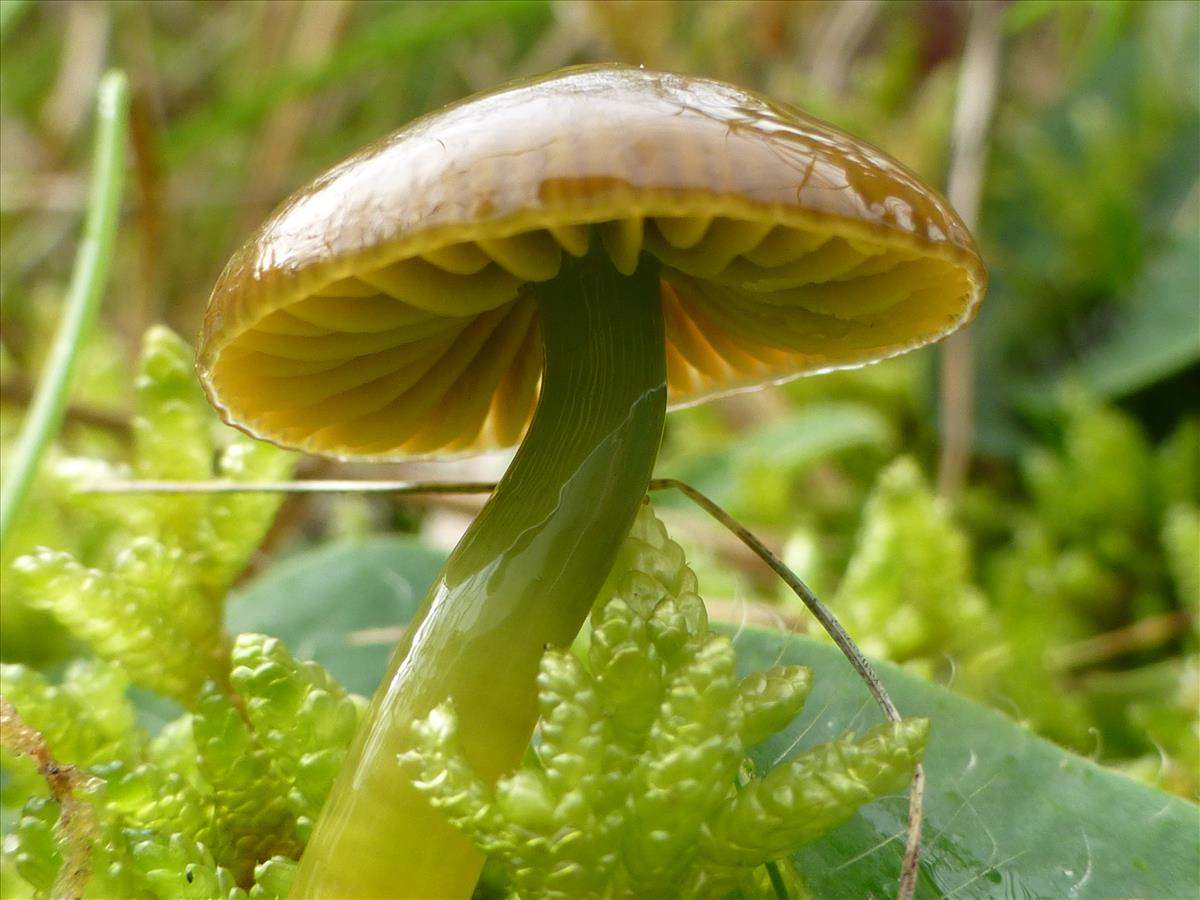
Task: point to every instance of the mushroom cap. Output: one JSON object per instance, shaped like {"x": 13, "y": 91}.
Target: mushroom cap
{"x": 388, "y": 308}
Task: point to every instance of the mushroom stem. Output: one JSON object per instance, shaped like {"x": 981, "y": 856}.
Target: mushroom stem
{"x": 523, "y": 577}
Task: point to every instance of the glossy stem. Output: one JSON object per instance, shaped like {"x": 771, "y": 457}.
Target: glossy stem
{"x": 523, "y": 577}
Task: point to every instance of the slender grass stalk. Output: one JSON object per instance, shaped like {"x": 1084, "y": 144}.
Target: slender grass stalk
{"x": 978, "y": 89}
{"x": 777, "y": 885}
{"x": 83, "y": 298}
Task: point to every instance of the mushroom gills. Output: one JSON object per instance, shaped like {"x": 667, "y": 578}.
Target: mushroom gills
{"x": 743, "y": 301}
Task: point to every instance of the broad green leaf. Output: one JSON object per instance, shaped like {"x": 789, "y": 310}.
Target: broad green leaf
{"x": 1006, "y": 813}
{"x": 340, "y": 605}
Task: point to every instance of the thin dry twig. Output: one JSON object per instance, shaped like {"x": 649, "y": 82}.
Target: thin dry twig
{"x": 822, "y": 613}
{"x": 312, "y": 486}
{"x": 1144, "y": 634}
{"x": 911, "y": 865}
{"x": 836, "y": 42}
{"x": 819, "y": 610}
{"x": 86, "y": 29}
{"x": 77, "y": 826}
{"x": 912, "y": 844}
{"x": 978, "y": 84}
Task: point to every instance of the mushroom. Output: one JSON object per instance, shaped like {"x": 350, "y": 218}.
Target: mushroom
{"x": 598, "y": 244}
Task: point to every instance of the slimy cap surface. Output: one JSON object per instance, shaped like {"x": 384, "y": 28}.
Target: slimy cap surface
{"x": 388, "y": 309}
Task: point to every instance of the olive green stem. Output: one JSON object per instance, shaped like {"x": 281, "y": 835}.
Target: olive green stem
{"x": 83, "y": 298}
{"x": 523, "y": 577}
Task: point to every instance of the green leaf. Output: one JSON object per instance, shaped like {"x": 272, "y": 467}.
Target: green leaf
{"x": 339, "y": 605}
{"x": 1006, "y": 812}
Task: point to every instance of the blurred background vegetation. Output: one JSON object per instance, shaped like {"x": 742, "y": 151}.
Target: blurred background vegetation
{"x": 1059, "y": 581}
